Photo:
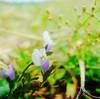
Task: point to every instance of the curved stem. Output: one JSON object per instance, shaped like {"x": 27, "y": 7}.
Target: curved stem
{"x": 79, "y": 94}
{"x": 82, "y": 88}
{"x": 25, "y": 70}
{"x": 92, "y": 96}
{"x": 20, "y": 78}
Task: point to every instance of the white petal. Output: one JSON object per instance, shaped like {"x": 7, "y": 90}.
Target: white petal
{"x": 42, "y": 53}
{"x": 46, "y": 38}
{"x": 36, "y": 57}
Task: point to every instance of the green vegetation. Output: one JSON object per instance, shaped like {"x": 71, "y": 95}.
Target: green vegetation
{"x": 74, "y": 27}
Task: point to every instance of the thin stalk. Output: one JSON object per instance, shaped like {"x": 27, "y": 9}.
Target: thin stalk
{"x": 25, "y": 70}
{"x": 82, "y": 88}
{"x": 79, "y": 94}
{"x": 82, "y": 76}
{"x": 88, "y": 18}
{"x": 20, "y": 78}
{"x": 92, "y": 96}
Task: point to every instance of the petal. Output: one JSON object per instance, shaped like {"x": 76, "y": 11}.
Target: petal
{"x": 45, "y": 65}
{"x": 46, "y": 38}
{"x": 42, "y": 53}
{"x": 49, "y": 47}
{"x": 11, "y": 73}
{"x": 2, "y": 73}
{"x": 36, "y": 58}
{"x": 8, "y": 72}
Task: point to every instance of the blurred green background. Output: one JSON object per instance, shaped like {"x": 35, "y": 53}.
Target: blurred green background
{"x": 23, "y": 22}
{"x": 74, "y": 26}
{"x": 71, "y": 23}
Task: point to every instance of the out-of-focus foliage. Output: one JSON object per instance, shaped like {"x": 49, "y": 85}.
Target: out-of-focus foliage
{"x": 4, "y": 87}
{"x": 74, "y": 26}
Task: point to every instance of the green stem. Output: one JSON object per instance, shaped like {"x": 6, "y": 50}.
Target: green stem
{"x": 20, "y": 78}
{"x": 25, "y": 70}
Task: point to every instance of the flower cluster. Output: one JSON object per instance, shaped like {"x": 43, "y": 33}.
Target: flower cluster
{"x": 39, "y": 56}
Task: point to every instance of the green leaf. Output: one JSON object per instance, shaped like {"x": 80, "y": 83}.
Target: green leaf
{"x": 4, "y": 87}
{"x": 98, "y": 90}
{"x": 73, "y": 59}
{"x": 23, "y": 55}
{"x": 59, "y": 74}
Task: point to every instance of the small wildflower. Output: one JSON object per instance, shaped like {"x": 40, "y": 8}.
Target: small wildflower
{"x": 10, "y": 72}
{"x": 48, "y": 43}
{"x": 45, "y": 65}
{"x": 39, "y": 58}
{"x": 7, "y": 71}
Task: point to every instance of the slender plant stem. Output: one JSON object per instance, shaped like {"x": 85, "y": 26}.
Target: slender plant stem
{"x": 82, "y": 88}
{"x": 25, "y": 70}
{"x": 88, "y": 18}
{"x": 82, "y": 73}
{"x": 92, "y": 96}
{"x": 79, "y": 94}
{"x": 82, "y": 76}
{"x": 20, "y": 78}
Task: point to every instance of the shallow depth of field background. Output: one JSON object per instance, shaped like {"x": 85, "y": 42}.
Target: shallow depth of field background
{"x": 21, "y": 22}
{"x": 74, "y": 26}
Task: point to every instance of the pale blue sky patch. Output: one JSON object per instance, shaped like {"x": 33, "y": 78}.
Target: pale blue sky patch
{"x": 22, "y": 1}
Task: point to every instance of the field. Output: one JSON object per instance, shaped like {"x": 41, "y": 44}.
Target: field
{"x": 74, "y": 57}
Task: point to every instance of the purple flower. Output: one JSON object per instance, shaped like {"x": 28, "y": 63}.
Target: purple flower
{"x": 45, "y": 65}
{"x": 39, "y": 58}
{"x": 48, "y": 43}
{"x": 7, "y": 71}
{"x": 11, "y": 73}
